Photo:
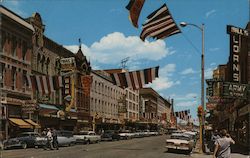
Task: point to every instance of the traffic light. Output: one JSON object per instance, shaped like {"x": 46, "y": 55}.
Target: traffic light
{"x": 200, "y": 110}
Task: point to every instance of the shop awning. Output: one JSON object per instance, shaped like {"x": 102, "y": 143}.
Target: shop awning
{"x": 33, "y": 123}
{"x": 20, "y": 123}
{"x": 45, "y": 109}
{"x": 45, "y": 106}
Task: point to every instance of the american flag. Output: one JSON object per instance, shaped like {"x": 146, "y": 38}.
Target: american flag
{"x": 134, "y": 8}
{"x": 135, "y": 79}
{"x": 159, "y": 24}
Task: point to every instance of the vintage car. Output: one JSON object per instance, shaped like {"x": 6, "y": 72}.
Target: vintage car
{"x": 87, "y": 137}
{"x": 24, "y": 140}
{"x": 110, "y": 135}
{"x": 126, "y": 134}
{"x": 180, "y": 141}
{"x": 65, "y": 138}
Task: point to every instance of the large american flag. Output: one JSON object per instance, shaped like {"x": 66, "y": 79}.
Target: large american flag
{"x": 159, "y": 24}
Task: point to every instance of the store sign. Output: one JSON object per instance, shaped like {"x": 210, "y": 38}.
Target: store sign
{"x": 12, "y": 101}
{"x": 68, "y": 63}
{"x": 235, "y": 49}
{"x": 210, "y": 106}
{"x": 235, "y": 90}
{"x": 29, "y": 106}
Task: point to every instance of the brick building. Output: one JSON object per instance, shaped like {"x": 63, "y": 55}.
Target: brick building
{"x": 15, "y": 60}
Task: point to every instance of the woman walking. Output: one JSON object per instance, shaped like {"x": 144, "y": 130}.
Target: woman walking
{"x": 222, "y": 145}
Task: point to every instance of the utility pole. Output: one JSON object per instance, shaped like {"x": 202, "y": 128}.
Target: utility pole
{"x": 202, "y": 119}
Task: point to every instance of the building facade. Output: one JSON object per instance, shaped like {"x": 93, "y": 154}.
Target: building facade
{"x": 15, "y": 60}
{"x": 228, "y": 91}
{"x": 36, "y": 90}
{"x": 132, "y": 104}
{"x": 104, "y": 102}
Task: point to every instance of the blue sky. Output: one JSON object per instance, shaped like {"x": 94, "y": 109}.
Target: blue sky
{"x": 108, "y": 37}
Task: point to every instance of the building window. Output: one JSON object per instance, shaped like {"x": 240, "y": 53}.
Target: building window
{"x": 42, "y": 63}
{"x": 24, "y": 50}
{"x": 47, "y": 66}
{"x": 13, "y": 46}
{"x": 24, "y": 80}
{"x": 13, "y": 77}
{"x": 2, "y": 75}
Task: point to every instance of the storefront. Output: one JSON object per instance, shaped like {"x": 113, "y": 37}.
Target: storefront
{"x": 242, "y": 126}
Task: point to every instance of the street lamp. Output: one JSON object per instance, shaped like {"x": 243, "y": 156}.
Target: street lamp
{"x": 201, "y": 28}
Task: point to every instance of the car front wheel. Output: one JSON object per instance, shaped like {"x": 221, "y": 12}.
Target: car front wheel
{"x": 24, "y": 145}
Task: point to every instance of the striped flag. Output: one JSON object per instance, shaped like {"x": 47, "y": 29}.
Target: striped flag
{"x": 159, "y": 25}
{"x": 135, "y": 79}
{"x": 134, "y": 7}
{"x": 45, "y": 84}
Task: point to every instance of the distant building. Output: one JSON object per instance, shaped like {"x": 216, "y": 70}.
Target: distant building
{"x": 104, "y": 102}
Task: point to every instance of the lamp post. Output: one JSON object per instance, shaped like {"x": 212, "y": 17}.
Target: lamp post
{"x": 201, "y": 28}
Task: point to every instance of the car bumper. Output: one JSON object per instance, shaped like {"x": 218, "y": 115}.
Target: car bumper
{"x": 177, "y": 147}
{"x": 81, "y": 141}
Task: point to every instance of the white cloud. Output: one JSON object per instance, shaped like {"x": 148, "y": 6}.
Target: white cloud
{"x": 209, "y": 13}
{"x": 190, "y": 99}
{"x": 115, "y": 46}
{"x": 209, "y": 73}
{"x": 164, "y": 81}
{"x": 187, "y": 103}
{"x": 188, "y": 71}
{"x": 188, "y": 96}
{"x": 212, "y": 64}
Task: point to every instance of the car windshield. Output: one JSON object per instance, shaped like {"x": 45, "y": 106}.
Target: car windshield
{"x": 181, "y": 137}
{"x": 84, "y": 132}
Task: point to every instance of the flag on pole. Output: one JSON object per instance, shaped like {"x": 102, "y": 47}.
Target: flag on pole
{"x": 159, "y": 24}
{"x": 134, "y": 7}
{"x": 135, "y": 79}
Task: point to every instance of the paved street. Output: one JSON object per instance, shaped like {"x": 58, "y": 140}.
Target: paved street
{"x": 149, "y": 147}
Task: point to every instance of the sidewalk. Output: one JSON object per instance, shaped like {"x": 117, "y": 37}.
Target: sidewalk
{"x": 196, "y": 153}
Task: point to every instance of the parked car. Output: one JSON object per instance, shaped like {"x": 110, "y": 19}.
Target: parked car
{"x": 87, "y": 137}
{"x": 180, "y": 141}
{"x": 110, "y": 135}
{"x": 24, "y": 140}
{"x": 65, "y": 138}
{"x": 193, "y": 136}
{"x": 126, "y": 134}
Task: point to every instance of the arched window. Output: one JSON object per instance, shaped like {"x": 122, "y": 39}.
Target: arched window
{"x": 38, "y": 61}
{"x": 47, "y": 66}
{"x": 42, "y": 63}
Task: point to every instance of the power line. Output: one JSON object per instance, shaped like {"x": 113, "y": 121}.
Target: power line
{"x": 191, "y": 43}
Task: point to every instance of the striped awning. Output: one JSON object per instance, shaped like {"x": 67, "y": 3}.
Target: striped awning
{"x": 20, "y": 123}
{"x": 33, "y": 123}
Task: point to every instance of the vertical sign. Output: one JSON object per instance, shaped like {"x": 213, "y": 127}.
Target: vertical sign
{"x": 235, "y": 51}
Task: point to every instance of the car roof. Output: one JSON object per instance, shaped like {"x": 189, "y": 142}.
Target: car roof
{"x": 180, "y": 134}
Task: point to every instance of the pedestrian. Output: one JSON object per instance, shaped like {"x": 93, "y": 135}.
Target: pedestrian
{"x": 215, "y": 135}
{"x": 49, "y": 139}
{"x": 222, "y": 145}
{"x": 55, "y": 141}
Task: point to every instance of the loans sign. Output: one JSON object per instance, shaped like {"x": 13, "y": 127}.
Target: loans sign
{"x": 236, "y": 35}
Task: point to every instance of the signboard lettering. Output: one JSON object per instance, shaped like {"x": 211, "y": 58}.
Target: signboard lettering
{"x": 68, "y": 63}
{"x": 235, "y": 90}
